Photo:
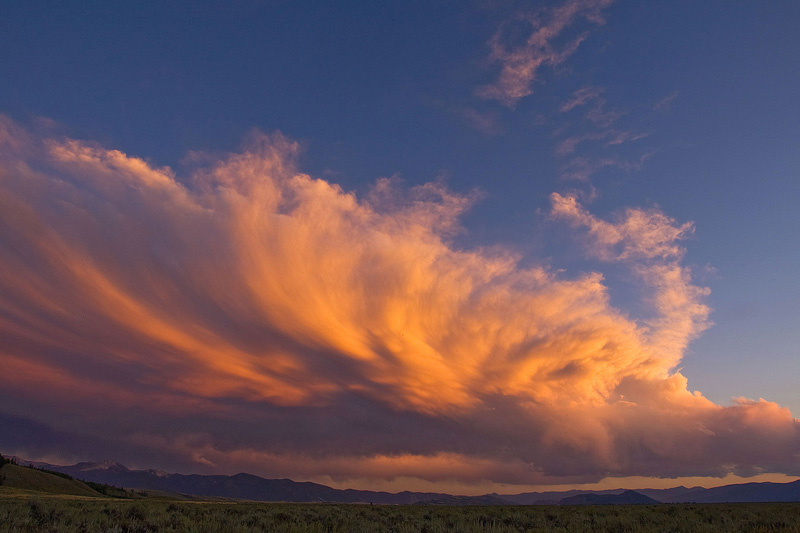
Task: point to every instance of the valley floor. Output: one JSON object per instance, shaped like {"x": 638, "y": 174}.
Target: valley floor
{"x": 21, "y": 511}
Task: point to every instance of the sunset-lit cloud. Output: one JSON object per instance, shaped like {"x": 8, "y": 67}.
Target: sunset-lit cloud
{"x": 545, "y": 45}
{"x": 582, "y": 97}
{"x": 582, "y": 167}
{"x": 593, "y": 99}
{"x": 609, "y": 138}
{"x": 248, "y": 316}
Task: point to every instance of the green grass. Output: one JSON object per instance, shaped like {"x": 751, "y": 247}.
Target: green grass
{"x": 51, "y": 513}
{"x": 21, "y": 477}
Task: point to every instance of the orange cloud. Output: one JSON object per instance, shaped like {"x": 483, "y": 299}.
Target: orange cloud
{"x": 248, "y": 312}
{"x": 520, "y": 62}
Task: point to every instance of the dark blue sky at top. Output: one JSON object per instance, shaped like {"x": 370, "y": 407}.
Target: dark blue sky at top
{"x": 375, "y": 89}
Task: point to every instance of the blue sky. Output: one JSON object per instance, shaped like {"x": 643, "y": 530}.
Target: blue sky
{"x": 683, "y": 108}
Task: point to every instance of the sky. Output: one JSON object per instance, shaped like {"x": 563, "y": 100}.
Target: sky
{"x": 461, "y": 246}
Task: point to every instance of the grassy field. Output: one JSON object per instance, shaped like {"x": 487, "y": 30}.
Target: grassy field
{"x": 36, "y": 500}
{"x": 20, "y": 512}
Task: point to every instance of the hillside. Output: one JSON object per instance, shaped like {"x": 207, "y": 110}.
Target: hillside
{"x": 629, "y": 497}
{"x": 21, "y": 477}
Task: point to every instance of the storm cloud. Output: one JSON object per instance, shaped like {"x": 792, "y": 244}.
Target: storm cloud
{"x": 248, "y": 316}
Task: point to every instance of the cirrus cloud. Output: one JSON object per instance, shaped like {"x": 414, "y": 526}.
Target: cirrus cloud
{"x": 521, "y": 60}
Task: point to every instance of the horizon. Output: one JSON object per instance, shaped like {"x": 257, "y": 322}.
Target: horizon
{"x": 507, "y": 244}
{"x": 605, "y": 485}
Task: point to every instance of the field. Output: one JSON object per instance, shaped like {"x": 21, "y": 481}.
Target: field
{"x": 22, "y": 512}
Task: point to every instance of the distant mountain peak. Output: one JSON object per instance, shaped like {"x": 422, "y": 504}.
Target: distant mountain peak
{"x": 157, "y": 473}
{"x": 107, "y": 465}
{"x": 628, "y": 497}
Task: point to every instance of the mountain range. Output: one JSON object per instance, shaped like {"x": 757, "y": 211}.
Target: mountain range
{"x": 251, "y": 487}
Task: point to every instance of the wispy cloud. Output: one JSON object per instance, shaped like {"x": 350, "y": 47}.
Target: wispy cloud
{"x": 582, "y": 168}
{"x": 487, "y": 122}
{"x": 582, "y": 97}
{"x": 610, "y": 137}
{"x": 666, "y": 102}
{"x": 597, "y": 128}
{"x": 253, "y": 317}
{"x": 594, "y": 99}
{"x": 521, "y": 59}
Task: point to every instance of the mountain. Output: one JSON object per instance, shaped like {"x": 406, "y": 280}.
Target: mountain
{"x": 549, "y": 497}
{"x": 465, "y": 500}
{"x": 108, "y": 466}
{"x": 239, "y": 486}
{"x": 673, "y": 495}
{"x": 251, "y": 487}
{"x": 740, "y": 492}
{"x": 629, "y": 497}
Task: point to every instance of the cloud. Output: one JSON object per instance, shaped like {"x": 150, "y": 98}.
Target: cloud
{"x": 595, "y": 137}
{"x": 581, "y": 168}
{"x": 582, "y": 97}
{"x": 665, "y": 103}
{"x": 487, "y": 123}
{"x": 649, "y": 241}
{"x": 597, "y": 113}
{"x": 252, "y": 317}
{"x": 611, "y": 137}
{"x": 521, "y": 59}
{"x": 637, "y": 233}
